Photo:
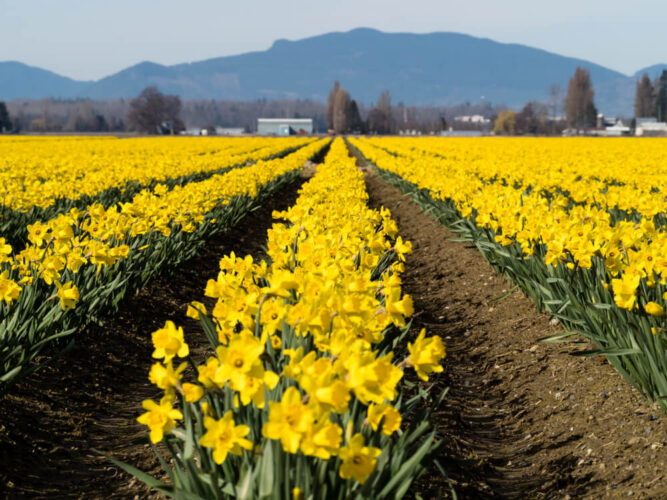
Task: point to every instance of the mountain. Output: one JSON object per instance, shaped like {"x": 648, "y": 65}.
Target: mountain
{"x": 20, "y": 80}
{"x": 435, "y": 68}
{"x": 652, "y": 71}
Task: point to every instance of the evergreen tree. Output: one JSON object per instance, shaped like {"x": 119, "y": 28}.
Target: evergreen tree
{"x": 661, "y": 98}
{"x": 5, "y": 122}
{"x": 354, "y": 122}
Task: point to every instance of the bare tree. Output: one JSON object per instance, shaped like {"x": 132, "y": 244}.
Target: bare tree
{"x": 376, "y": 121}
{"x": 330, "y": 105}
{"x": 579, "y": 105}
{"x": 644, "y": 98}
{"x": 533, "y": 119}
{"x": 154, "y": 112}
{"x": 340, "y": 112}
{"x": 555, "y": 100}
{"x": 384, "y": 105}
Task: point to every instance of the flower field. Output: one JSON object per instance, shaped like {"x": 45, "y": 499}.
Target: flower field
{"x": 90, "y": 257}
{"x": 44, "y": 176}
{"x": 581, "y": 232}
{"x": 291, "y": 318}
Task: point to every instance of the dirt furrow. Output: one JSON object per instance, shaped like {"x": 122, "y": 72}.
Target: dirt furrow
{"x": 523, "y": 420}
{"x": 90, "y": 397}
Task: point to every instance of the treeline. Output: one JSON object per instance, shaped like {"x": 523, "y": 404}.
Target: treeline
{"x": 79, "y": 115}
{"x": 538, "y": 118}
{"x": 344, "y": 115}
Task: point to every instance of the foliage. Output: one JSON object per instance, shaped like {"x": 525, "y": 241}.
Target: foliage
{"x": 505, "y": 124}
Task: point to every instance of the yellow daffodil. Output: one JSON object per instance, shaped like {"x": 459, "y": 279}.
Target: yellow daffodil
{"x": 289, "y": 420}
{"x": 426, "y": 354}
{"x": 358, "y": 461}
{"x": 225, "y": 437}
{"x": 159, "y": 418}
{"x": 654, "y": 309}
{"x": 392, "y": 418}
{"x": 68, "y": 295}
{"x": 169, "y": 342}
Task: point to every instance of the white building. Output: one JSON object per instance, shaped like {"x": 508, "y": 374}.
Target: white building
{"x": 284, "y": 126}
{"x": 229, "y": 130}
{"x": 472, "y": 119}
{"x": 650, "y": 127}
{"x": 617, "y": 130}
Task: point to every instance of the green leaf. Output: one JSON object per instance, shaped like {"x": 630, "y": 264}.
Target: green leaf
{"x": 266, "y": 471}
{"x": 244, "y": 487}
{"x": 10, "y": 374}
{"x": 408, "y": 467}
{"x": 133, "y": 471}
{"x": 558, "y": 337}
{"x": 608, "y": 352}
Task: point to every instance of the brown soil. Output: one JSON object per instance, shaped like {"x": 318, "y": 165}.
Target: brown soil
{"x": 90, "y": 397}
{"x": 522, "y": 419}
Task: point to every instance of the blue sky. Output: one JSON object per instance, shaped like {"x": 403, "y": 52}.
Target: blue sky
{"x": 89, "y": 39}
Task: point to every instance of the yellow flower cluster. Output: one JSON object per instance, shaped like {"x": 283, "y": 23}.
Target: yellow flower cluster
{"x": 301, "y": 335}
{"x": 576, "y": 197}
{"x": 101, "y": 237}
{"x": 39, "y": 171}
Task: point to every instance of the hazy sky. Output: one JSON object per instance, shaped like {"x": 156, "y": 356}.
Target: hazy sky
{"x": 89, "y": 39}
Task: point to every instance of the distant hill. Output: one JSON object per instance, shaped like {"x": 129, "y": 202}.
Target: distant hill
{"x": 20, "y": 80}
{"x": 436, "y": 68}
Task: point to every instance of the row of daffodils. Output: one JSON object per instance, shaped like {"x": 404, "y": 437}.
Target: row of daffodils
{"x": 38, "y": 171}
{"x": 80, "y": 264}
{"x": 41, "y": 177}
{"x": 579, "y": 224}
{"x": 304, "y": 395}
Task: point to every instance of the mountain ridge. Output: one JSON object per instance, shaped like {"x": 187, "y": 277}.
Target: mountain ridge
{"x": 439, "y": 68}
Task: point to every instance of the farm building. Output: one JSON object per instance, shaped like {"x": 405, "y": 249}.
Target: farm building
{"x": 284, "y": 126}
{"x": 648, "y": 127}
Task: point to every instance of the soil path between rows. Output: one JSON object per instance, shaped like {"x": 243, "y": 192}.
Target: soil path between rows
{"x": 522, "y": 419}
{"x": 90, "y": 398}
